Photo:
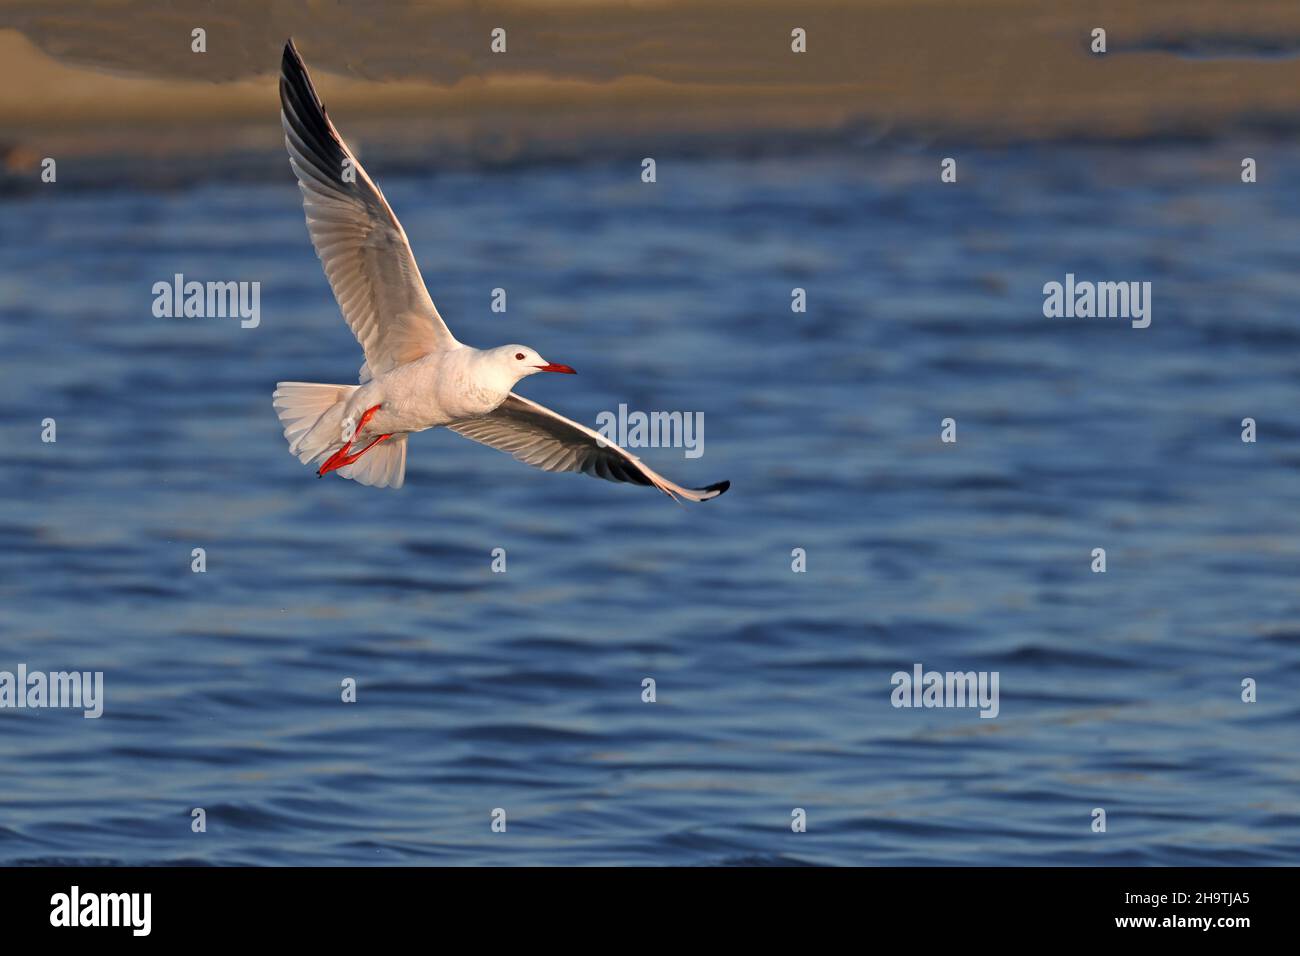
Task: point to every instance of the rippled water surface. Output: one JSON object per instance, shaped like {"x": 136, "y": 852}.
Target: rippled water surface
{"x": 523, "y": 690}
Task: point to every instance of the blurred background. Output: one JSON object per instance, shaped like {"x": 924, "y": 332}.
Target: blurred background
{"x": 775, "y": 170}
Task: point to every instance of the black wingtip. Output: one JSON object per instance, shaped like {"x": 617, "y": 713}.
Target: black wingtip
{"x": 720, "y": 488}
{"x": 293, "y": 68}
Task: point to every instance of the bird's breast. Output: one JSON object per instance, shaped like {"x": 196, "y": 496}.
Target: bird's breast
{"x": 435, "y": 392}
{"x": 479, "y": 400}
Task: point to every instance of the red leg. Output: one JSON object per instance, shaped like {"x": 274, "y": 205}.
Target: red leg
{"x": 341, "y": 457}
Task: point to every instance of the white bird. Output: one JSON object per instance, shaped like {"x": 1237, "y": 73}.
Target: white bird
{"x": 416, "y": 375}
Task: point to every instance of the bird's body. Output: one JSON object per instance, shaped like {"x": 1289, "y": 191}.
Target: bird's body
{"x": 437, "y": 389}
{"x": 417, "y": 375}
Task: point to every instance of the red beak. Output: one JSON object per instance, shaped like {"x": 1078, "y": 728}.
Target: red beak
{"x": 556, "y": 368}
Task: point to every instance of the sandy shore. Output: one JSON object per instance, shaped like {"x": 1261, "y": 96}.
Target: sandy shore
{"x": 98, "y": 78}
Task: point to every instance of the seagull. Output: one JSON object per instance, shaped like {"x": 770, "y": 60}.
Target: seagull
{"x": 416, "y": 375}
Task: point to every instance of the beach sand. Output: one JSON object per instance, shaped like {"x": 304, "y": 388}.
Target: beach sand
{"x": 599, "y": 76}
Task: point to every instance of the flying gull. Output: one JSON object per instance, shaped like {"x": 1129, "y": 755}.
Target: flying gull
{"x": 416, "y": 375}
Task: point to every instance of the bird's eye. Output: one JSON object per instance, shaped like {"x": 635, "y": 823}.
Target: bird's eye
{"x": 519, "y": 356}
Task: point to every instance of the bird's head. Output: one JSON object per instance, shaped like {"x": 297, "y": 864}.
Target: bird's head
{"x": 519, "y": 361}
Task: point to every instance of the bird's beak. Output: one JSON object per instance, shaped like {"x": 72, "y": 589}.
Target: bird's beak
{"x": 555, "y": 368}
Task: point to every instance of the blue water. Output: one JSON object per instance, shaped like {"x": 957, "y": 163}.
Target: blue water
{"x": 522, "y": 690}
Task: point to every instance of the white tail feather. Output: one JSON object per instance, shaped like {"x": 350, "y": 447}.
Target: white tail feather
{"x": 312, "y": 416}
{"x": 384, "y": 466}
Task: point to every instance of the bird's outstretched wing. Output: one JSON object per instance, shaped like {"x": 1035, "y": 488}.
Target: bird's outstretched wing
{"x": 360, "y": 242}
{"x": 539, "y": 437}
